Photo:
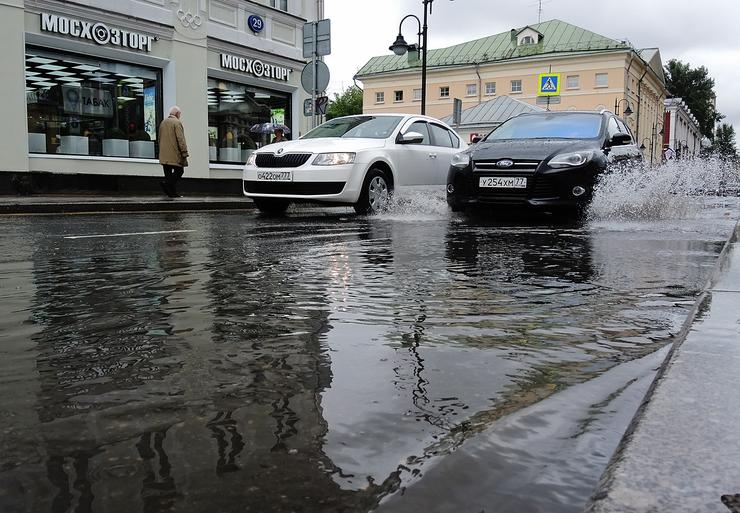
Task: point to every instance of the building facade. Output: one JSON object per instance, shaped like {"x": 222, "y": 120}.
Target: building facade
{"x": 681, "y": 132}
{"x": 87, "y": 83}
{"x": 596, "y": 73}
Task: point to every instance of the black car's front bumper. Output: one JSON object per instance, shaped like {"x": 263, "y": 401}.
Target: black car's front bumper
{"x": 546, "y": 188}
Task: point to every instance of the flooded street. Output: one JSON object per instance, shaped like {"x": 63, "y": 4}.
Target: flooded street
{"x": 412, "y": 361}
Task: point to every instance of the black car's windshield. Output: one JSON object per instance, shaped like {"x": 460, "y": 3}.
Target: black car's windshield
{"x": 549, "y": 126}
{"x": 372, "y": 127}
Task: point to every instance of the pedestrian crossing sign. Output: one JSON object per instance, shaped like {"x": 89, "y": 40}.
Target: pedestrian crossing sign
{"x": 549, "y": 84}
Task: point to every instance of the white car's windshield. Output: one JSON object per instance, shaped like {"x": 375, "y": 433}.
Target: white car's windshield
{"x": 546, "y": 126}
{"x": 356, "y": 126}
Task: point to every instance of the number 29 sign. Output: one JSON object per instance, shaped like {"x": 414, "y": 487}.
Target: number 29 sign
{"x": 256, "y": 24}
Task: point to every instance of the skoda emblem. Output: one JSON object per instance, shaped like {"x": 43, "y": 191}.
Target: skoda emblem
{"x": 281, "y": 150}
{"x": 505, "y": 163}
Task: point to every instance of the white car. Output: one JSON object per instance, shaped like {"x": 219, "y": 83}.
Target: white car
{"x": 353, "y": 160}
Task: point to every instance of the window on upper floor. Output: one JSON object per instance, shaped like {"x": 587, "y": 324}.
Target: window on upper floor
{"x": 417, "y": 95}
{"x": 490, "y": 88}
{"x": 471, "y": 90}
{"x": 516, "y": 86}
{"x": 380, "y": 97}
{"x": 397, "y": 96}
{"x": 602, "y": 80}
{"x": 573, "y": 82}
{"x": 527, "y": 40}
{"x": 444, "y": 92}
{"x": 279, "y": 4}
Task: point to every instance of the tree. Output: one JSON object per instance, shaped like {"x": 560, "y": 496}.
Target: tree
{"x": 696, "y": 88}
{"x": 724, "y": 141}
{"x": 345, "y": 104}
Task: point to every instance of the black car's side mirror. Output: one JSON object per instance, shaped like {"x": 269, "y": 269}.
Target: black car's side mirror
{"x": 410, "y": 138}
{"x": 620, "y": 140}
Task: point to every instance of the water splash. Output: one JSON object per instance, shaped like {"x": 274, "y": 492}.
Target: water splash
{"x": 672, "y": 190}
{"x": 426, "y": 205}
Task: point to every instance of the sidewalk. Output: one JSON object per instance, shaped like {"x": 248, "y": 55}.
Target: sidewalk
{"x": 67, "y": 204}
{"x": 681, "y": 453}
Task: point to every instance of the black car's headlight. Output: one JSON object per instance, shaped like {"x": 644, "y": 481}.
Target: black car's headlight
{"x": 571, "y": 159}
{"x": 461, "y": 160}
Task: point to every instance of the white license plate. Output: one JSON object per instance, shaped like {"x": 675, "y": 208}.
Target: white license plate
{"x": 513, "y": 182}
{"x": 275, "y": 176}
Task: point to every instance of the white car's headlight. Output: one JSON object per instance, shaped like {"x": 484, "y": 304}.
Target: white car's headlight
{"x": 572, "y": 159}
{"x": 333, "y": 159}
{"x": 251, "y": 159}
{"x": 461, "y": 160}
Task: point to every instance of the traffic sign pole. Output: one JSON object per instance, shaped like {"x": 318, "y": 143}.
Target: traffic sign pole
{"x": 315, "y": 72}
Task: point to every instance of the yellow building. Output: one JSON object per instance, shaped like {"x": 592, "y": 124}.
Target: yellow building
{"x": 596, "y": 73}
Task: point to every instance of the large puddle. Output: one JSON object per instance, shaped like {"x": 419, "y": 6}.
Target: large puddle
{"x": 329, "y": 362}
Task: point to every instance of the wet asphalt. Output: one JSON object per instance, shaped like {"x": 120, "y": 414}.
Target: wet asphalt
{"x": 413, "y": 361}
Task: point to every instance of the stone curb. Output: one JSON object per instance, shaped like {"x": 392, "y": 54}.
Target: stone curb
{"x": 75, "y": 207}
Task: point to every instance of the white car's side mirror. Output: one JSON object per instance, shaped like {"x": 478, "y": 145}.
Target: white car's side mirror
{"x": 411, "y": 138}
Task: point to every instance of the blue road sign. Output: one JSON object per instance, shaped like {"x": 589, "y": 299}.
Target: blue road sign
{"x": 549, "y": 84}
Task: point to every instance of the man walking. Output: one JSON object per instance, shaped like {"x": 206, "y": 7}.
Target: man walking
{"x": 173, "y": 151}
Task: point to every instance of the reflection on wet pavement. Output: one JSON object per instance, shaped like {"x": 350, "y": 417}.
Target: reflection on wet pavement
{"x": 318, "y": 363}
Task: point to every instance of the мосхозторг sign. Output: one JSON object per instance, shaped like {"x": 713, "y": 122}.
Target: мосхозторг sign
{"x": 99, "y": 33}
{"x": 255, "y": 67}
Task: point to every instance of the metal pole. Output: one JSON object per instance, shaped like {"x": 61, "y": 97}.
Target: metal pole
{"x": 314, "y": 65}
{"x": 424, "y": 61}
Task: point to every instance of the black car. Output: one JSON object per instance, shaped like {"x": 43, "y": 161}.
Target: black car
{"x": 544, "y": 160}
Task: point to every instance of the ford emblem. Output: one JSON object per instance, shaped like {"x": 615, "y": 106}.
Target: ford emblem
{"x": 505, "y": 163}
{"x": 281, "y": 150}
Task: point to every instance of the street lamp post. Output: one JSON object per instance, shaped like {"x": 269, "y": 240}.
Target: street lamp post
{"x": 653, "y": 135}
{"x": 618, "y": 102}
{"x": 400, "y": 47}
{"x": 643, "y": 147}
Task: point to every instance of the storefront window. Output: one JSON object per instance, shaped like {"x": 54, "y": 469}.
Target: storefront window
{"x": 87, "y": 106}
{"x": 237, "y": 118}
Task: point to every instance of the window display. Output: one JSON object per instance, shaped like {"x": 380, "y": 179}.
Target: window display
{"x": 234, "y": 113}
{"x": 87, "y": 106}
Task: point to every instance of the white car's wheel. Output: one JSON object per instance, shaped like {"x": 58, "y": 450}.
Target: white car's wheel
{"x": 375, "y": 193}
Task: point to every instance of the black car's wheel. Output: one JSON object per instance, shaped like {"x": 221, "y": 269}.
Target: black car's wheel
{"x": 271, "y": 206}
{"x": 375, "y": 193}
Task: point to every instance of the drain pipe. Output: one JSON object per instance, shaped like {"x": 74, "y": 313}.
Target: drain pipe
{"x": 639, "y": 98}
{"x": 480, "y": 83}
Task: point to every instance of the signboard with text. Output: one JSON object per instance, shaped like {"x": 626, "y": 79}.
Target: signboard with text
{"x": 99, "y": 32}
{"x": 87, "y": 101}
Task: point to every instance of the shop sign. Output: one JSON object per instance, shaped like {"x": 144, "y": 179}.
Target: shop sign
{"x": 255, "y": 67}
{"x": 87, "y": 101}
{"x": 99, "y": 33}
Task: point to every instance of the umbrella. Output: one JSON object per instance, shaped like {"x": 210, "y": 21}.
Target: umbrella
{"x": 268, "y": 128}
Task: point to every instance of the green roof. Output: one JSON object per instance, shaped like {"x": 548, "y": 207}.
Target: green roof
{"x": 559, "y": 38}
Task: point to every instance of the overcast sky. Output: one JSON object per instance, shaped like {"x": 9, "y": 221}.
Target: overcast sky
{"x": 702, "y": 33}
